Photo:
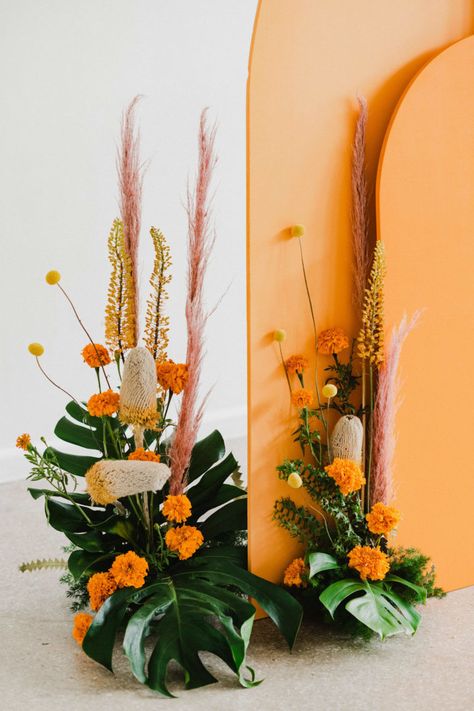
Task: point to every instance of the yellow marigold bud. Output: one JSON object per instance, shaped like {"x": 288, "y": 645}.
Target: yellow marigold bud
{"x": 53, "y": 277}
{"x": 295, "y": 481}
{"x": 279, "y": 335}
{"x": 112, "y": 479}
{"x": 36, "y": 349}
{"x": 329, "y": 390}
{"x": 297, "y": 230}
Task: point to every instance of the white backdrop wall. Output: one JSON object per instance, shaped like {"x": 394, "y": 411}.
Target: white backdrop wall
{"x": 68, "y": 69}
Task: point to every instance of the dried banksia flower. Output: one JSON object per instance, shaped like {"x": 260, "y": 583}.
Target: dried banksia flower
{"x": 112, "y": 479}
{"x": 138, "y": 390}
{"x": 346, "y": 439}
{"x": 371, "y": 336}
{"x": 157, "y": 322}
{"x": 120, "y": 316}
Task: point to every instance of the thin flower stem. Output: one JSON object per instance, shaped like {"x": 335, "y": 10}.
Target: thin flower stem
{"x": 98, "y": 378}
{"x": 364, "y": 430}
{"x": 315, "y": 330}
{"x": 87, "y": 334}
{"x": 371, "y": 428}
{"x": 284, "y": 367}
{"x": 55, "y": 384}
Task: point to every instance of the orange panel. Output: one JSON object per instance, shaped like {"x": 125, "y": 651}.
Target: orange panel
{"x": 426, "y": 218}
{"x": 309, "y": 59}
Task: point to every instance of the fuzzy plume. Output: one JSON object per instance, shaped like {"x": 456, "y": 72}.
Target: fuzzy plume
{"x": 130, "y": 185}
{"x": 387, "y": 402}
{"x": 200, "y": 242}
{"x": 360, "y": 208}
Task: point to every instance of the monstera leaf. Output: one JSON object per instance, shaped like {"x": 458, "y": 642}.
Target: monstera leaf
{"x": 378, "y": 606}
{"x": 198, "y": 607}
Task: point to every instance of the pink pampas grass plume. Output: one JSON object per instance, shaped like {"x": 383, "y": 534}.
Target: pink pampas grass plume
{"x": 200, "y": 242}
{"x": 360, "y": 208}
{"x": 387, "y": 403}
{"x": 130, "y": 185}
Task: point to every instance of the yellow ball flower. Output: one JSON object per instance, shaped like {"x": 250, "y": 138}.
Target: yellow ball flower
{"x": 295, "y": 481}
{"x": 329, "y": 390}
{"x": 297, "y": 230}
{"x": 36, "y": 349}
{"x": 279, "y": 335}
{"x": 53, "y": 277}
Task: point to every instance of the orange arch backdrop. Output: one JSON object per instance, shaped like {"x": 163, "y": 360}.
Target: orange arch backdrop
{"x": 308, "y": 61}
{"x": 426, "y": 218}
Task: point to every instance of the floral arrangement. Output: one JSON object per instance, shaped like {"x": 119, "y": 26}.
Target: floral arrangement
{"x": 351, "y": 571}
{"x": 155, "y": 521}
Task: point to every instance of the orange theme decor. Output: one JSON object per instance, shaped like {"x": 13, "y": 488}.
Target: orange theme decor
{"x": 308, "y": 62}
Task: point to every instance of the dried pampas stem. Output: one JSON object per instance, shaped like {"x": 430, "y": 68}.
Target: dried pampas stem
{"x": 385, "y": 410}
{"x": 113, "y": 479}
{"x": 346, "y": 438}
{"x": 130, "y": 184}
{"x": 360, "y": 208}
{"x": 200, "y": 242}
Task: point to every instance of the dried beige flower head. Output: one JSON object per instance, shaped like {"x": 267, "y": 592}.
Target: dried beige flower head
{"x": 138, "y": 390}
{"x": 112, "y": 479}
{"x": 346, "y": 438}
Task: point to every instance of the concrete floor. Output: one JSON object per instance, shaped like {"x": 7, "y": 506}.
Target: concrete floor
{"x": 41, "y": 666}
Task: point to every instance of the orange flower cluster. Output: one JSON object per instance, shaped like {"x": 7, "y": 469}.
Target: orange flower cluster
{"x": 295, "y": 572}
{"x": 296, "y": 364}
{"x": 347, "y": 474}
{"x": 127, "y": 571}
{"x": 177, "y": 508}
{"x": 184, "y": 541}
{"x": 102, "y": 404}
{"x": 144, "y": 455}
{"x": 23, "y": 441}
{"x": 382, "y": 519}
{"x": 172, "y": 376}
{"x": 100, "y": 586}
{"x": 95, "y": 355}
{"x": 302, "y": 398}
{"x": 371, "y": 563}
{"x": 332, "y": 340}
{"x": 82, "y": 622}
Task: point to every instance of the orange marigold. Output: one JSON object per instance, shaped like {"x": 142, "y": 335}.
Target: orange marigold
{"x": 23, "y": 441}
{"x": 100, "y": 586}
{"x": 302, "y": 398}
{"x": 347, "y": 474}
{"x": 296, "y": 364}
{"x": 95, "y": 355}
{"x": 105, "y": 403}
{"x": 184, "y": 541}
{"x": 129, "y": 570}
{"x": 177, "y": 508}
{"x": 382, "y": 519}
{"x": 82, "y": 622}
{"x": 332, "y": 340}
{"x": 371, "y": 563}
{"x": 295, "y": 574}
{"x": 172, "y": 376}
{"x": 144, "y": 455}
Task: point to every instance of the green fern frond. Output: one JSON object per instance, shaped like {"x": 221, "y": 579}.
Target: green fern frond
{"x": 43, "y": 564}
